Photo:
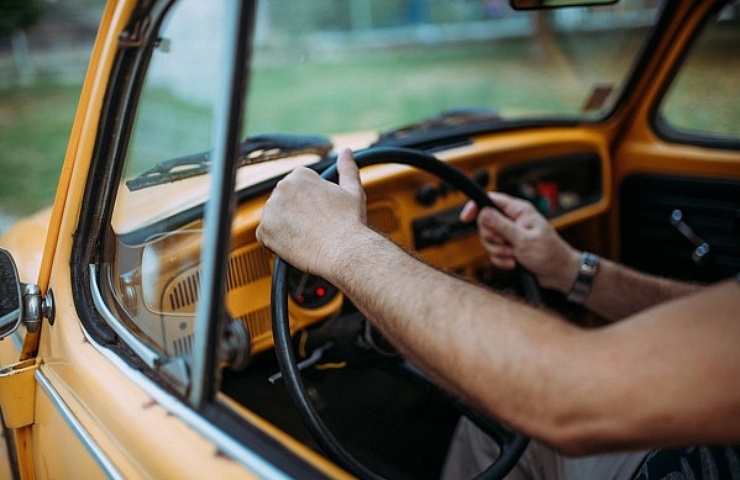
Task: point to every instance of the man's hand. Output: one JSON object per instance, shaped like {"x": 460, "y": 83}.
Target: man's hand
{"x": 522, "y": 235}
{"x": 308, "y": 220}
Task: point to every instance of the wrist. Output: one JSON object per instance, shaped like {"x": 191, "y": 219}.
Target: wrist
{"x": 564, "y": 272}
{"x": 352, "y": 247}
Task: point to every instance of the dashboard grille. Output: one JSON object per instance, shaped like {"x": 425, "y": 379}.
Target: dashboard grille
{"x": 185, "y": 292}
{"x": 183, "y": 346}
{"x": 246, "y": 266}
{"x": 259, "y": 322}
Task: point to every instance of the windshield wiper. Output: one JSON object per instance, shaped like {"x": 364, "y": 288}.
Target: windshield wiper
{"x": 257, "y": 149}
{"x": 445, "y": 122}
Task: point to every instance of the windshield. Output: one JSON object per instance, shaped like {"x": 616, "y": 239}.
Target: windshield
{"x": 328, "y": 74}
{"x": 334, "y": 67}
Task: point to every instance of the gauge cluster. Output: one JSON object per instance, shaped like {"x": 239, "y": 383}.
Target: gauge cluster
{"x": 309, "y": 291}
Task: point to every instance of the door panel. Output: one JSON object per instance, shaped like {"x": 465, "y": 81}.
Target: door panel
{"x": 680, "y": 152}
{"x": 656, "y": 238}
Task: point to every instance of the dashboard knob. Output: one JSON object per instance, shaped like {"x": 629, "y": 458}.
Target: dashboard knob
{"x": 481, "y": 177}
{"x": 426, "y": 195}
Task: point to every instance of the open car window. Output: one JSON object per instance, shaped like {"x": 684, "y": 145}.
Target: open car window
{"x": 352, "y": 74}
{"x": 702, "y": 103}
{"x": 325, "y": 75}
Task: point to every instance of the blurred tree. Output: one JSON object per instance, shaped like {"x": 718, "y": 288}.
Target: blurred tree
{"x": 19, "y": 14}
{"x": 15, "y": 17}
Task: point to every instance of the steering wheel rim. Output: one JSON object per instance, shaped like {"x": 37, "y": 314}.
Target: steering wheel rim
{"x": 512, "y": 444}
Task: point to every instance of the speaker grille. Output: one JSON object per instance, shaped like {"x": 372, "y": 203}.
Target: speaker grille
{"x": 246, "y": 265}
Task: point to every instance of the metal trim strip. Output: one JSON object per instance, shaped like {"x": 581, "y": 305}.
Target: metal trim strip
{"x": 79, "y": 430}
{"x": 225, "y": 444}
{"x": 149, "y": 356}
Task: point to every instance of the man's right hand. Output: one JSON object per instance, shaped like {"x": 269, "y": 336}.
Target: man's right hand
{"x": 518, "y": 233}
{"x": 308, "y": 221}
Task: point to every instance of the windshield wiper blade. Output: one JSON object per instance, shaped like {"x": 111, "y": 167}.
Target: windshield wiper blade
{"x": 257, "y": 149}
{"x": 444, "y": 122}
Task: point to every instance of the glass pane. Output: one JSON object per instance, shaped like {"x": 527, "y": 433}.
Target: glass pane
{"x": 155, "y": 261}
{"x": 338, "y": 66}
{"x": 703, "y": 98}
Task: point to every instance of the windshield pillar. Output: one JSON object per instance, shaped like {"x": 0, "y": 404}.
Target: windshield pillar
{"x": 227, "y": 127}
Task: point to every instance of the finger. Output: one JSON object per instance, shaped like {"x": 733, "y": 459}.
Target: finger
{"x": 349, "y": 174}
{"x": 501, "y": 256}
{"x": 491, "y": 220}
{"x": 513, "y": 207}
{"x": 488, "y": 236}
{"x": 258, "y": 234}
{"x": 503, "y": 263}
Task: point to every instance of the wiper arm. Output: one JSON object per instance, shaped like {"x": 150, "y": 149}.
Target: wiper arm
{"x": 443, "y": 122}
{"x": 257, "y": 149}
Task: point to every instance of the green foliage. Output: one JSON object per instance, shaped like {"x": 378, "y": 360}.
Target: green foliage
{"x": 19, "y": 14}
{"x": 35, "y": 123}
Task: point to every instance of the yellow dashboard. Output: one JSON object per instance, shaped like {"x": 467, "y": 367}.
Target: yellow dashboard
{"x": 566, "y": 179}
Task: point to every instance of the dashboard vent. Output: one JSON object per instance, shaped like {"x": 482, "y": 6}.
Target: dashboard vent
{"x": 259, "y": 322}
{"x": 185, "y": 293}
{"x": 246, "y": 266}
{"x": 183, "y": 346}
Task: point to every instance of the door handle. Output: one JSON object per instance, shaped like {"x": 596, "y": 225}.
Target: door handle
{"x": 702, "y": 248}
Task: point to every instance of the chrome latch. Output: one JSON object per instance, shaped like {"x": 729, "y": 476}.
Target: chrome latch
{"x": 702, "y": 248}
{"x": 21, "y": 303}
{"x": 36, "y": 307}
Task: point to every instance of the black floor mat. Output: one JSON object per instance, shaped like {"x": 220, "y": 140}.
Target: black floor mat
{"x": 397, "y": 426}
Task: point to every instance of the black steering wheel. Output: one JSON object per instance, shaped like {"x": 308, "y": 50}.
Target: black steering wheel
{"x": 512, "y": 444}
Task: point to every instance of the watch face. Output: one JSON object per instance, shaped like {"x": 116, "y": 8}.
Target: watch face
{"x": 589, "y": 264}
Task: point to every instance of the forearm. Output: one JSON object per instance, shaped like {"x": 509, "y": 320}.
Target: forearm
{"x": 579, "y": 390}
{"x": 471, "y": 341}
{"x": 618, "y": 291}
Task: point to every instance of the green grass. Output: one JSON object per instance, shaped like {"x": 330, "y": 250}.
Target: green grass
{"x": 35, "y": 123}
{"x": 368, "y": 90}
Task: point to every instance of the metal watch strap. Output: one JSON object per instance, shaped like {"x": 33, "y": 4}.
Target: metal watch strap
{"x": 586, "y": 273}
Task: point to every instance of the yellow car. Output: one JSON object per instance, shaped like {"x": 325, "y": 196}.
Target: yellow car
{"x": 146, "y": 333}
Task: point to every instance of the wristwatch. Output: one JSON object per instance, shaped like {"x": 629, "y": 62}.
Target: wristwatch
{"x": 586, "y": 273}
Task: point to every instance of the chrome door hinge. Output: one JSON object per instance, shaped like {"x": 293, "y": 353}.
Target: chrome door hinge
{"x": 36, "y": 307}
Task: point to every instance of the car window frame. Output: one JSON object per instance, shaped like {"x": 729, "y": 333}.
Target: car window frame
{"x": 126, "y": 79}
{"x": 660, "y": 126}
{"x": 96, "y": 238}
{"x": 246, "y": 443}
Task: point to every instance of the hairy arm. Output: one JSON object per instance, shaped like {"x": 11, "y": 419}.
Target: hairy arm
{"x": 619, "y": 291}
{"x": 667, "y": 376}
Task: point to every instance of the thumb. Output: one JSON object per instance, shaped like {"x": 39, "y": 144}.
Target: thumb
{"x": 349, "y": 174}
{"x": 469, "y": 212}
{"x": 497, "y": 223}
